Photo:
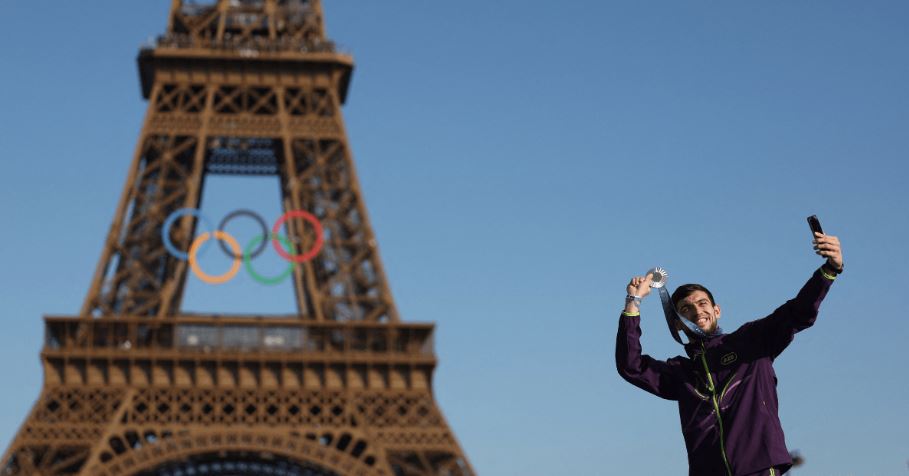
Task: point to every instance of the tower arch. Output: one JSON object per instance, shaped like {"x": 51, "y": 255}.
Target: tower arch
{"x": 238, "y": 453}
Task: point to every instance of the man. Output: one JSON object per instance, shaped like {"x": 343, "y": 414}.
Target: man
{"x": 726, "y": 386}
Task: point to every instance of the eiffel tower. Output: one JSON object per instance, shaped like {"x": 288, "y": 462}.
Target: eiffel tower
{"x": 132, "y": 386}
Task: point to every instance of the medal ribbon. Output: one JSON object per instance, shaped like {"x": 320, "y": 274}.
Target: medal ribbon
{"x": 672, "y": 316}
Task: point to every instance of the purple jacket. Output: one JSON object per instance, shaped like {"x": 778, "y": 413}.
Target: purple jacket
{"x": 731, "y": 373}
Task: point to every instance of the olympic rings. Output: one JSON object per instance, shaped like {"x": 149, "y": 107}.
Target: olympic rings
{"x": 320, "y": 238}
{"x": 253, "y": 249}
{"x": 255, "y": 216}
{"x": 223, "y": 278}
{"x": 165, "y": 230}
{"x": 248, "y": 261}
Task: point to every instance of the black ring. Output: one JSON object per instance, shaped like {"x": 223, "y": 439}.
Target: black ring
{"x": 255, "y": 216}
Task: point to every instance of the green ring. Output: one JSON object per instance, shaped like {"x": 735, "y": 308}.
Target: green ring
{"x": 247, "y": 261}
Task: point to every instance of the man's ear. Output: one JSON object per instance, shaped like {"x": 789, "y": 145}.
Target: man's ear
{"x": 716, "y": 308}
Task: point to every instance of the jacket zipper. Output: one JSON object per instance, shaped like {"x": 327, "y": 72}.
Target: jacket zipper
{"x": 716, "y": 407}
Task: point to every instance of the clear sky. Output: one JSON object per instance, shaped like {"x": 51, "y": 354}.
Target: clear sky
{"x": 520, "y": 161}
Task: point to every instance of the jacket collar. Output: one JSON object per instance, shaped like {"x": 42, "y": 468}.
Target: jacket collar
{"x": 694, "y": 346}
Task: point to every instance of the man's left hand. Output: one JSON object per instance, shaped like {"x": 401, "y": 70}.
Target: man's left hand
{"x": 828, "y": 246}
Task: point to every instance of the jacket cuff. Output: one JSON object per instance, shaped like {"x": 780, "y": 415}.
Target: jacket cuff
{"x": 827, "y": 273}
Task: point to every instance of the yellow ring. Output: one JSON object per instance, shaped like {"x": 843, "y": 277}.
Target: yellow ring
{"x": 223, "y": 278}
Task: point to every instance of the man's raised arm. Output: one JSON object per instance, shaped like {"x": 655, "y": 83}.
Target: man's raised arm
{"x": 774, "y": 332}
{"x": 642, "y": 371}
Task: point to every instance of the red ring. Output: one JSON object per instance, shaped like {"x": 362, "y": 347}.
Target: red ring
{"x": 320, "y": 240}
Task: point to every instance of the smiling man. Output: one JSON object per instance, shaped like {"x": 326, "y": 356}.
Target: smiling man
{"x": 726, "y": 386}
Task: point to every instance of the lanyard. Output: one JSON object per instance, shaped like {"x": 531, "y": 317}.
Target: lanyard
{"x": 659, "y": 278}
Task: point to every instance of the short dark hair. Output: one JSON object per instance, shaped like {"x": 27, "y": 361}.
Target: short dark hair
{"x": 686, "y": 290}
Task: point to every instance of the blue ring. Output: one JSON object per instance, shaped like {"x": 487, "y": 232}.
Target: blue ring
{"x": 165, "y": 230}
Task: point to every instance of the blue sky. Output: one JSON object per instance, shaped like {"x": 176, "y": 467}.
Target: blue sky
{"x": 520, "y": 161}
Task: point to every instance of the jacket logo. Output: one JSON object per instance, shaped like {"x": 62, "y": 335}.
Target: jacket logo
{"x": 729, "y": 358}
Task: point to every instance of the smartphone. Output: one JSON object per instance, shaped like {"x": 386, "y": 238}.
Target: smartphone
{"x": 815, "y": 225}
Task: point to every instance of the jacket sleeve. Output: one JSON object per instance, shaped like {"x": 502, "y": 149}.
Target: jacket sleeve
{"x": 773, "y": 333}
{"x": 640, "y": 370}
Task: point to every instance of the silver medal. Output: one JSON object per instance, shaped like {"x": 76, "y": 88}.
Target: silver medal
{"x": 659, "y": 277}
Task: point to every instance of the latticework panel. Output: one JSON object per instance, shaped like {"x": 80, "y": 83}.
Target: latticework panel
{"x": 398, "y": 409}
{"x": 432, "y": 438}
{"x": 348, "y": 271}
{"x": 298, "y": 409}
{"x": 240, "y": 109}
{"x": 252, "y": 24}
{"x": 233, "y": 407}
{"x": 136, "y": 268}
{"x": 57, "y": 437}
{"x": 180, "y": 98}
{"x": 47, "y": 460}
{"x": 77, "y": 405}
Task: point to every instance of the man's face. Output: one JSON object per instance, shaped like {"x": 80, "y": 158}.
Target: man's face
{"x": 696, "y": 307}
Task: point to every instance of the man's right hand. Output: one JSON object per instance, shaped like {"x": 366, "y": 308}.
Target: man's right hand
{"x": 638, "y": 286}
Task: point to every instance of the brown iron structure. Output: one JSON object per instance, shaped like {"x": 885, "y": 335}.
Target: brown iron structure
{"x": 132, "y": 386}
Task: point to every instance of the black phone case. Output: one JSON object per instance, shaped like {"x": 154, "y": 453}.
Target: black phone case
{"x": 815, "y": 224}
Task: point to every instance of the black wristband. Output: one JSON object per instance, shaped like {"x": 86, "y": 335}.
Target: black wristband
{"x": 831, "y": 270}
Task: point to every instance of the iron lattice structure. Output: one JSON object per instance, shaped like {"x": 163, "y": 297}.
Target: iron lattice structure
{"x": 134, "y": 387}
